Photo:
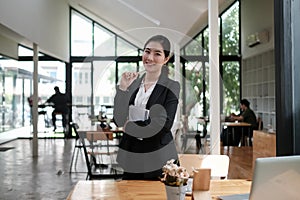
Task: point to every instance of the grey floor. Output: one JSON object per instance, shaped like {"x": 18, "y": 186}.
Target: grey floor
{"x": 46, "y": 177}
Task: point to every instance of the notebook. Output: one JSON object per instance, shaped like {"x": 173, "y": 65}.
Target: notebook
{"x": 274, "y": 178}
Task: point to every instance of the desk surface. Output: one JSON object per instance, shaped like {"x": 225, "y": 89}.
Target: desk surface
{"x": 150, "y": 190}
{"x": 95, "y": 128}
{"x": 235, "y": 124}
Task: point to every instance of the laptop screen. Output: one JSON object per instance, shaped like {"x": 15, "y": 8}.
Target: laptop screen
{"x": 276, "y": 178}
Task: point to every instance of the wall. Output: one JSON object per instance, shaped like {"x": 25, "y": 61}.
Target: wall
{"x": 258, "y": 63}
{"x": 258, "y": 86}
{"x": 11, "y": 47}
{"x": 44, "y": 22}
{"x": 257, "y": 16}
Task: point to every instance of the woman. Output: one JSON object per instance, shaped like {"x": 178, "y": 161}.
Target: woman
{"x": 146, "y": 106}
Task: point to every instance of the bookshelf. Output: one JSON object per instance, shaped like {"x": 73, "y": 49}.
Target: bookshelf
{"x": 258, "y": 86}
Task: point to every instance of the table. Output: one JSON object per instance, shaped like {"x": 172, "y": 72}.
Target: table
{"x": 94, "y": 129}
{"x": 233, "y": 125}
{"x": 150, "y": 190}
{"x": 224, "y": 187}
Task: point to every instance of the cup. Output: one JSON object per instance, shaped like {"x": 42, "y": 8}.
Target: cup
{"x": 201, "y": 179}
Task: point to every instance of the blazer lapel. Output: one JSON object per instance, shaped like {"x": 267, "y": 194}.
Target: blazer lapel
{"x": 157, "y": 91}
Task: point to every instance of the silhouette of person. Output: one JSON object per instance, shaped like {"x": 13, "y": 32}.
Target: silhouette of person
{"x": 60, "y": 104}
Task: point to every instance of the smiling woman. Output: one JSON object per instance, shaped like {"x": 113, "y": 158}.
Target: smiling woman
{"x": 147, "y": 143}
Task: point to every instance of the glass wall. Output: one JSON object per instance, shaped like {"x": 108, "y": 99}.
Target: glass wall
{"x": 16, "y": 88}
{"x": 99, "y": 56}
{"x": 95, "y": 76}
{"x": 109, "y": 47}
{"x": 231, "y": 60}
{"x": 196, "y": 70}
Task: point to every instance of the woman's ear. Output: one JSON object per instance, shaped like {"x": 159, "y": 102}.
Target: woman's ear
{"x": 166, "y": 60}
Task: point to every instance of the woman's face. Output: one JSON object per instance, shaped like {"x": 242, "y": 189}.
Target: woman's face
{"x": 154, "y": 57}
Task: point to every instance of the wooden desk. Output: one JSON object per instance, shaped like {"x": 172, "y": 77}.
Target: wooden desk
{"x": 233, "y": 125}
{"x": 224, "y": 187}
{"x": 93, "y": 129}
{"x": 150, "y": 190}
{"x": 264, "y": 145}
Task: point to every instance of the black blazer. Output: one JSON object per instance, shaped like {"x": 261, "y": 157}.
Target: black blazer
{"x": 154, "y": 133}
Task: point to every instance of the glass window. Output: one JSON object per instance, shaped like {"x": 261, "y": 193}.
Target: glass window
{"x": 194, "y": 47}
{"x": 104, "y": 83}
{"x": 125, "y": 49}
{"x": 23, "y": 51}
{"x": 206, "y": 38}
{"x": 53, "y": 73}
{"x": 195, "y": 91}
{"x": 231, "y": 87}
{"x": 81, "y": 88}
{"x": 86, "y": 77}
{"x": 81, "y": 35}
{"x": 81, "y": 105}
{"x": 104, "y": 42}
{"x": 230, "y": 30}
{"x": 17, "y": 86}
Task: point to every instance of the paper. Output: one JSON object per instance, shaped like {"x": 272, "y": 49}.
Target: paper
{"x": 137, "y": 113}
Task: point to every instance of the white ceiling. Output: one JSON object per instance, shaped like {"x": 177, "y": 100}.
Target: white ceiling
{"x": 137, "y": 20}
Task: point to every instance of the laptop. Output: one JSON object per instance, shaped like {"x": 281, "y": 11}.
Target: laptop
{"x": 275, "y": 178}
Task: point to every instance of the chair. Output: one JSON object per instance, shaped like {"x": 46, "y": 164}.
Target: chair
{"x": 96, "y": 139}
{"x": 259, "y": 126}
{"x": 219, "y": 164}
{"x": 90, "y": 153}
{"x": 77, "y": 147}
{"x": 200, "y": 136}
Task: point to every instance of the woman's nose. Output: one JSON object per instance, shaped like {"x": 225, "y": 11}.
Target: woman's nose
{"x": 150, "y": 56}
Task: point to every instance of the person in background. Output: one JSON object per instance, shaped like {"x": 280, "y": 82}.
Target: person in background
{"x": 247, "y": 115}
{"x": 145, "y": 106}
{"x": 30, "y": 102}
{"x": 60, "y": 104}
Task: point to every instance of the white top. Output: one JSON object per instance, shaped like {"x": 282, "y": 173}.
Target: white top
{"x": 142, "y": 97}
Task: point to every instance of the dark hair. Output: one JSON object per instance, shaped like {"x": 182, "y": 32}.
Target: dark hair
{"x": 245, "y": 102}
{"x": 56, "y": 89}
{"x": 165, "y": 43}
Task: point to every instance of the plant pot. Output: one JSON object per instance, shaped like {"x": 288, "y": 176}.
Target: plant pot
{"x": 176, "y": 192}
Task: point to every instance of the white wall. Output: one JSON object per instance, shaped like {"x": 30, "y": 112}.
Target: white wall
{"x": 44, "y": 22}
{"x": 256, "y": 16}
{"x": 8, "y": 47}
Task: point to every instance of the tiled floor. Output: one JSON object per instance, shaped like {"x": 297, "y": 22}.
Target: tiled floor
{"x": 45, "y": 177}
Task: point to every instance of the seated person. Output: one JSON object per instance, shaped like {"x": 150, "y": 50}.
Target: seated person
{"x": 247, "y": 115}
{"x": 60, "y": 104}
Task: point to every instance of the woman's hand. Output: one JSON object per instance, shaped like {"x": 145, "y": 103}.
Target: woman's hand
{"x": 126, "y": 80}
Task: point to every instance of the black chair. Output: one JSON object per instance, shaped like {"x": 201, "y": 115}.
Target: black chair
{"x": 77, "y": 147}
{"x": 94, "y": 168}
{"x": 201, "y": 135}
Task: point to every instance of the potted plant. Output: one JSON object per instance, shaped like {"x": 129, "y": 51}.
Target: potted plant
{"x": 175, "y": 179}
